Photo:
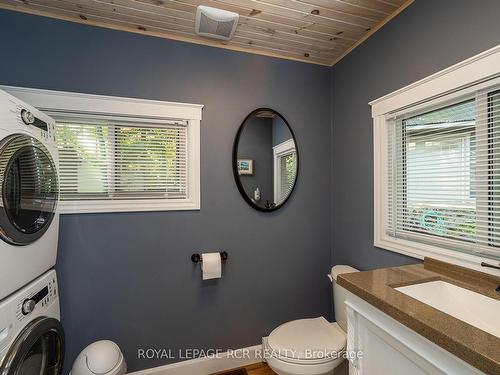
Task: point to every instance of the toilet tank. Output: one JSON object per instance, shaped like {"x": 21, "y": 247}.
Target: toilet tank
{"x": 339, "y": 295}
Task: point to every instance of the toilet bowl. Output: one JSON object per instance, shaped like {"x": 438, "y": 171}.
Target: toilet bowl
{"x": 310, "y": 346}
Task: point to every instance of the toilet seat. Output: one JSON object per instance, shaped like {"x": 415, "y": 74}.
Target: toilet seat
{"x": 305, "y": 362}
{"x": 307, "y": 341}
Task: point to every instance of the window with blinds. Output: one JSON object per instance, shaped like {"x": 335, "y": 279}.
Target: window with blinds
{"x": 287, "y": 171}
{"x": 105, "y": 159}
{"x": 443, "y": 175}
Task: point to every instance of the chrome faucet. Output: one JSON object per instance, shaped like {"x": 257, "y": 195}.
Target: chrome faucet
{"x": 483, "y": 264}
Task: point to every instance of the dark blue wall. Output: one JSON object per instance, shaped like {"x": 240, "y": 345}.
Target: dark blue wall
{"x": 425, "y": 38}
{"x": 256, "y": 143}
{"x": 281, "y": 133}
{"x": 128, "y": 277}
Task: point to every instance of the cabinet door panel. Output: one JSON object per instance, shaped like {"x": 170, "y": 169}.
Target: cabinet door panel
{"x": 382, "y": 354}
{"x": 388, "y": 347}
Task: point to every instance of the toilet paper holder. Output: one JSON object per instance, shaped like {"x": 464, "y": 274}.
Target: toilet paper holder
{"x": 196, "y": 258}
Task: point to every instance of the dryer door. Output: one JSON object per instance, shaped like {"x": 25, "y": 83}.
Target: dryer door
{"x": 28, "y": 187}
{"x": 38, "y": 350}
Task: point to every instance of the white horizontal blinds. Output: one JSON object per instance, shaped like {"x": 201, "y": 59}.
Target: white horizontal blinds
{"x": 393, "y": 157}
{"x": 490, "y": 208}
{"x": 436, "y": 196}
{"x": 106, "y": 159}
{"x": 444, "y": 174}
{"x": 287, "y": 170}
{"x": 84, "y": 160}
{"x": 150, "y": 162}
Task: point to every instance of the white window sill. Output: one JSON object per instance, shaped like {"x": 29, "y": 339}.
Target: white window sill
{"x": 99, "y": 206}
{"x": 421, "y": 251}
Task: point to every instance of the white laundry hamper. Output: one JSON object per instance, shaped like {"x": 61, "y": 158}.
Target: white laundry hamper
{"x": 101, "y": 357}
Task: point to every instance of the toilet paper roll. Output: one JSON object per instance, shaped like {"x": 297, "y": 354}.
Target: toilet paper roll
{"x": 211, "y": 266}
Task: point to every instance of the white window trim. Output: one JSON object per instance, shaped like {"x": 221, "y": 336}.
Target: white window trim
{"x": 279, "y": 150}
{"x": 479, "y": 71}
{"x": 58, "y": 101}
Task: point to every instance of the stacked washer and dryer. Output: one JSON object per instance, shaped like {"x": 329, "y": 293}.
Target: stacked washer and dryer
{"x": 31, "y": 336}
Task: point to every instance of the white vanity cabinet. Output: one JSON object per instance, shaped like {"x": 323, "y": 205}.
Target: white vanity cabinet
{"x": 388, "y": 347}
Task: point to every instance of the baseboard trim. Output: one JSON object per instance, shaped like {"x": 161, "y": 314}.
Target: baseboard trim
{"x": 209, "y": 365}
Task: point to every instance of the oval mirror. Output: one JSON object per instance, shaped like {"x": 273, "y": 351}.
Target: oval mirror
{"x": 265, "y": 159}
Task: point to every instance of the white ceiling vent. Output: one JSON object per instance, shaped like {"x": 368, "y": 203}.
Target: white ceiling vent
{"x": 215, "y": 23}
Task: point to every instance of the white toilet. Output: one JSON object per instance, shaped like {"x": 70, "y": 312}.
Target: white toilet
{"x": 310, "y": 346}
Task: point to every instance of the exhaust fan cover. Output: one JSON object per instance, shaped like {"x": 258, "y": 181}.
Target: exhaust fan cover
{"x": 215, "y": 23}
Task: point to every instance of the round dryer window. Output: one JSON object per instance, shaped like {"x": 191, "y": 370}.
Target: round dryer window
{"x": 28, "y": 187}
{"x": 38, "y": 350}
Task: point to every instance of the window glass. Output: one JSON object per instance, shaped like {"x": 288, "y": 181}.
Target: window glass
{"x": 437, "y": 189}
{"x": 110, "y": 160}
{"x": 443, "y": 176}
{"x": 493, "y": 153}
{"x": 288, "y": 170}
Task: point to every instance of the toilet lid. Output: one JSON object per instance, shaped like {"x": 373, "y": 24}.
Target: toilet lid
{"x": 305, "y": 339}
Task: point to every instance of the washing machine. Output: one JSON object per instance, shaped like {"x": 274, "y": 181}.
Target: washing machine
{"x": 29, "y": 222}
{"x": 31, "y": 336}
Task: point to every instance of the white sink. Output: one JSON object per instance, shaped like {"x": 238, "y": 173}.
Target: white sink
{"x": 471, "y": 307}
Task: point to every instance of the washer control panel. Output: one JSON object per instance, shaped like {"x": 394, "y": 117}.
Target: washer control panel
{"x": 17, "y": 115}
{"x": 39, "y": 298}
{"x": 43, "y": 128}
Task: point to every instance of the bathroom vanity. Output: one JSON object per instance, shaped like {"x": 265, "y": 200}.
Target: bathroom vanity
{"x": 431, "y": 318}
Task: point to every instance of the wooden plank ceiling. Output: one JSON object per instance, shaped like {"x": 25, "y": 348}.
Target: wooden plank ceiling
{"x": 314, "y": 31}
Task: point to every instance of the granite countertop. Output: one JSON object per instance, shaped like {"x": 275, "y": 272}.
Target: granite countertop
{"x": 474, "y": 346}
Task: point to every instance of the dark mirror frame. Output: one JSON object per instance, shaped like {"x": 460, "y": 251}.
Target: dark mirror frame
{"x": 241, "y": 189}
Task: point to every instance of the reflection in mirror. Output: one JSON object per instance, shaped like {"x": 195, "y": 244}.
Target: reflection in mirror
{"x": 265, "y": 160}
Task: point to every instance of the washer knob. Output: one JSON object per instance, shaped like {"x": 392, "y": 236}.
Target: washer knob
{"x": 28, "y": 306}
{"x": 28, "y": 117}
